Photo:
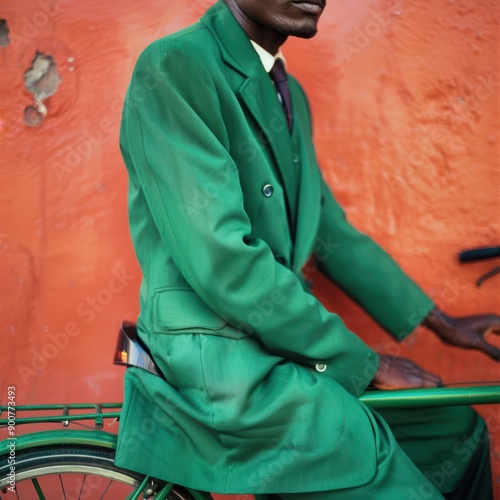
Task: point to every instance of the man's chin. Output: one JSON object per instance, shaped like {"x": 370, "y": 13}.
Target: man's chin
{"x": 304, "y": 31}
{"x": 306, "y": 34}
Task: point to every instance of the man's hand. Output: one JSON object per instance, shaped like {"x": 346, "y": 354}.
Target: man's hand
{"x": 402, "y": 373}
{"x": 466, "y": 331}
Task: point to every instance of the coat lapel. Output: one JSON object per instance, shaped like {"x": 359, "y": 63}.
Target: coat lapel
{"x": 257, "y": 93}
{"x": 260, "y": 98}
{"x": 308, "y": 206}
{"x": 309, "y": 194}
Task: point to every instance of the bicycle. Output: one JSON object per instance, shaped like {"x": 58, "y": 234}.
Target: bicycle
{"x": 50, "y": 462}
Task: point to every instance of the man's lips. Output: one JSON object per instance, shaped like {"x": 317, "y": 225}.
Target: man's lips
{"x": 310, "y": 6}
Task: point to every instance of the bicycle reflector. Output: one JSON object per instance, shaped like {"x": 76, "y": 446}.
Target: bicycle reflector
{"x": 130, "y": 352}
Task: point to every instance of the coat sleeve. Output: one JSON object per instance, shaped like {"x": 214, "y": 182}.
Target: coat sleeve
{"x": 368, "y": 274}
{"x": 174, "y": 141}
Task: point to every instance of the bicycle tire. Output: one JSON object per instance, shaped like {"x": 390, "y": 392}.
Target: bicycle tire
{"x": 33, "y": 465}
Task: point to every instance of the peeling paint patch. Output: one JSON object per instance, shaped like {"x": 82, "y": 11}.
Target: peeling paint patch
{"x": 42, "y": 80}
{"x": 33, "y": 117}
{"x": 4, "y": 33}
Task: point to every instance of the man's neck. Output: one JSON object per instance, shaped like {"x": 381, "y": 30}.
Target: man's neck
{"x": 263, "y": 36}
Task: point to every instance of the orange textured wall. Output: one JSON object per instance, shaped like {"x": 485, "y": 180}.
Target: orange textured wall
{"x": 406, "y": 109}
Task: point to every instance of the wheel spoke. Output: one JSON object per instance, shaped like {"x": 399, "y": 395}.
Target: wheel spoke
{"x": 106, "y": 490}
{"x": 37, "y": 489}
{"x": 62, "y": 486}
{"x": 81, "y": 487}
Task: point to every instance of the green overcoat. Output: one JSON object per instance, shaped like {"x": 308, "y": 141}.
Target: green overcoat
{"x": 226, "y": 206}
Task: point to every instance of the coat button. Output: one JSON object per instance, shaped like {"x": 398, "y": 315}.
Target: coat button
{"x": 267, "y": 190}
{"x": 320, "y": 367}
{"x": 295, "y": 159}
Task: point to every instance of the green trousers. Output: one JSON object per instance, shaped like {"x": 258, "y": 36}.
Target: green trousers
{"x": 423, "y": 454}
{"x": 449, "y": 445}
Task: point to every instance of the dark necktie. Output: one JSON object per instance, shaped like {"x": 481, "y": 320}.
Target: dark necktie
{"x": 278, "y": 74}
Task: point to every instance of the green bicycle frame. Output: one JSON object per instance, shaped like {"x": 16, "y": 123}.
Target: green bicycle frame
{"x": 409, "y": 398}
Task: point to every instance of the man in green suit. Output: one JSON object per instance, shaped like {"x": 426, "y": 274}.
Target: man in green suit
{"x": 260, "y": 382}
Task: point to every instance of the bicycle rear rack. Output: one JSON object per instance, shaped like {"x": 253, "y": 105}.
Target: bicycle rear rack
{"x": 64, "y": 414}
{"x": 475, "y": 394}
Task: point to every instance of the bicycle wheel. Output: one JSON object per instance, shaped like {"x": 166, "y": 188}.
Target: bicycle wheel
{"x": 74, "y": 472}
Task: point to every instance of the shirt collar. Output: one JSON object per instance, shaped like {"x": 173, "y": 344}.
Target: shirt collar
{"x": 266, "y": 58}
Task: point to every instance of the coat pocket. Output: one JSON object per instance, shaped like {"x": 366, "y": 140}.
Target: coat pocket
{"x": 180, "y": 310}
